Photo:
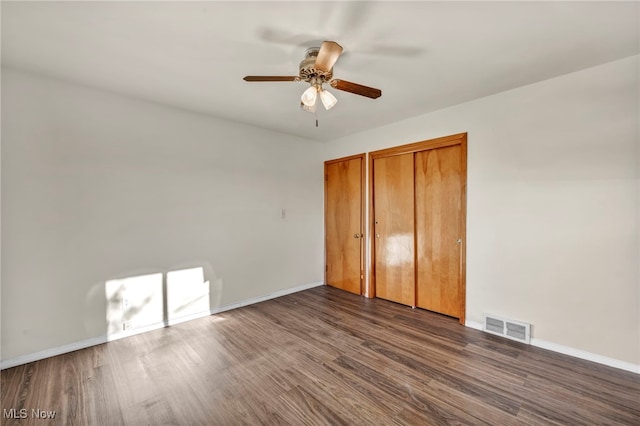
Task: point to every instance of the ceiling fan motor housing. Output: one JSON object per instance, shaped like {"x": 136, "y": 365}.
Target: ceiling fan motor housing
{"x": 308, "y": 70}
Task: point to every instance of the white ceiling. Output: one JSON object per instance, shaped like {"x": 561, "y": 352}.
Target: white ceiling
{"x": 424, "y": 56}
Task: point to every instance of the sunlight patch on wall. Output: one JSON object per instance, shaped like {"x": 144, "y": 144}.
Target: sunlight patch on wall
{"x": 187, "y": 293}
{"x": 134, "y": 302}
{"x": 155, "y": 300}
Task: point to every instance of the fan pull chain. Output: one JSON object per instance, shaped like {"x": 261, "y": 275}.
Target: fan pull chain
{"x": 315, "y": 113}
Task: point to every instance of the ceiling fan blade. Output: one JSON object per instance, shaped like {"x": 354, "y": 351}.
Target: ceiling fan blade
{"x": 358, "y": 89}
{"x": 329, "y": 53}
{"x": 271, "y": 78}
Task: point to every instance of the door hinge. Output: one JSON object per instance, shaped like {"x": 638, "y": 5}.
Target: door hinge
{"x": 326, "y": 268}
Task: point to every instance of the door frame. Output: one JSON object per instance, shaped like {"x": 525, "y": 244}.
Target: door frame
{"x": 363, "y": 165}
{"x": 442, "y": 142}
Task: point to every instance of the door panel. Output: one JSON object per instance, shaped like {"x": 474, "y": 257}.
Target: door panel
{"x": 343, "y": 224}
{"x": 438, "y": 192}
{"x": 394, "y": 228}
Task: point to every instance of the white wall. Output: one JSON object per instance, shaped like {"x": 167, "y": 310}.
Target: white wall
{"x": 99, "y": 187}
{"x": 552, "y": 205}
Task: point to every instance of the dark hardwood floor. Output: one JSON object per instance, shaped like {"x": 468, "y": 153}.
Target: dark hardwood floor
{"x": 321, "y": 356}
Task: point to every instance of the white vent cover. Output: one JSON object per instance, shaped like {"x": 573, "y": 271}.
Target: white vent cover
{"x": 514, "y": 330}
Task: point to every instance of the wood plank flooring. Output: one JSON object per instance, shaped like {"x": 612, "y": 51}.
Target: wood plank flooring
{"x": 321, "y": 356}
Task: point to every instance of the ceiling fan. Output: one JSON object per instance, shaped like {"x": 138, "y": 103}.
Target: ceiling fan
{"x": 317, "y": 69}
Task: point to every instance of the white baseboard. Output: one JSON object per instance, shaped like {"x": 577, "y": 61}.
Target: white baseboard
{"x": 185, "y": 318}
{"x": 266, "y": 297}
{"x": 589, "y": 356}
{"x": 577, "y": 353}
{"x": 83, "y": 344}
{"x": 473, "y": 324}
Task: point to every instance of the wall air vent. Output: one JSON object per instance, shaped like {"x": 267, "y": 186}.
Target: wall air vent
{"x": 514, "y": 330}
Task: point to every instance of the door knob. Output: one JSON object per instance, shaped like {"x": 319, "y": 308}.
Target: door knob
{"x": 356, "y": 235}
{"x": 377, "y": 235}
{"x": 459, "y": 241}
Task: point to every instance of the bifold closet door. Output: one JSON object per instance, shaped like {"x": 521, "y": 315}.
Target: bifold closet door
{"x": 394, "y": 228}
{"x": 438, "y": 209}
{"x": 343, "y": 223}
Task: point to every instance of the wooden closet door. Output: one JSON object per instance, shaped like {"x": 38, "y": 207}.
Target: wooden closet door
{"x": 343, "y": 223}
{"x": 394, "y": 228}
{"x": 438, "y": 192}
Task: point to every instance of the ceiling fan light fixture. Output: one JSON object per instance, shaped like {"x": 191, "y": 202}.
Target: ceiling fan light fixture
{"x": 309, "y": 96}
{"x": 328, "y": 100}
